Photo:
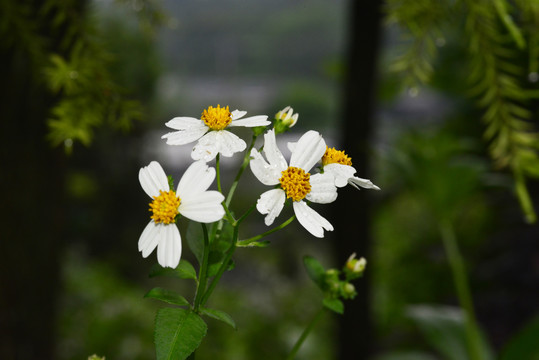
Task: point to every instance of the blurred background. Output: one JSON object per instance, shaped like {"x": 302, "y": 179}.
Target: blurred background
{"x": 88, "y": 85}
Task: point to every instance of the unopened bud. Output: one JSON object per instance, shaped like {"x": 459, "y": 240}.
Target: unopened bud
{"x": 355, "y": 267}
{"x": 285, "y": 119}
{"x": 348, "y": 291}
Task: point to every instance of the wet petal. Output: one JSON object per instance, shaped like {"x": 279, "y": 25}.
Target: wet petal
{"x": 169, "y": 250}
{"x": 204, "y": 207}
{"x": 271, "y": 203}
{"x": 259, "y": 120}
{"x": 364, "y": 183}
{"x": 264, "y": 172}
{"x": 152, "y": 178}
{"x": 341, "y": 173}
{"x": 149, "y": 238}
{"x": 310, "y": 219}
{"x": 196, "y": 179}
{"x": 272, "y": 152}
{"x": 222, "y": 141}
{"x": 309, "y": 150}
{"x": 323, "y": 190}
{"x": 189, "y": 130}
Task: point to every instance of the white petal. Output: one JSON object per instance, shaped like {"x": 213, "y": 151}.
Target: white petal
{"x": 309, "y": 150}
{"x": 364, "y": 183}
{"x": 310, "y": 219}
{"x": 222, "y": 141}
{"x": 323, "y": 190}
{"x": 189, "y": 130}
{"x": 259, "y": 120}
{"x": 153, "y": 178}
{"x": 271, "y": 202}
{"x": 205, "y": 207}
{"x": 184, "y": 123}
{"x": 272, "y": 152}
{"x": 236, "y": 114}
{"x": 291, "y": 146}
{"x": 264, "y": 172}
{"x": 149, "y": 238}
{"x": 196, "y": 179}
{"x": 169, "y": 250}
{"x": 341, "y": 173}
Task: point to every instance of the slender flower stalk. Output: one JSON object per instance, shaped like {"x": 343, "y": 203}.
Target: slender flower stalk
{"x": 305, "y": 333}
{"x": 458, "y": 270}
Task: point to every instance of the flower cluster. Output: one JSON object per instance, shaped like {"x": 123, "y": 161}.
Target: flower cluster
{"x": 291, "y": 181}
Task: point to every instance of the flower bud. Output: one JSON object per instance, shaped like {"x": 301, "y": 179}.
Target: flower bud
{"x": 355, "y": 267}
{"x": 348, "y": 291}
{"x": 285, "y": 119}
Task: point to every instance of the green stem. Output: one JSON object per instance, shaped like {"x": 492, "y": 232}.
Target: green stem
{"x": 218, "y": 173}
{"x": 246, "y": 159}
{"x": 305, "y": 333}
{"x": 222, "y": 268}
{"x": 456, "y": 263}
{"x": 203, "y": 274}
{"x": 255, "y": 238}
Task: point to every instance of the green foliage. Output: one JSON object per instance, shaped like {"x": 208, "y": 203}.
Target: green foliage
{"x": 524, "y": 344}
{"x": 444, "y": 330}
{"x": 219, "y": 315}
{"x": 167, "y": 296}
{"x": 178, "y": 332}
{"x": 498, "y": 77}
{"x": 184, "y": 270}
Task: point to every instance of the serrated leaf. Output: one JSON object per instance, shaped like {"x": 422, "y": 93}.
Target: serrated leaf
{"x": 184, "y": 270}
{"x": 166, "y": 296}
{"x": 315, "y": 271}
{"x": 219, "y": 315}
{"x": 178, "y": 333}
{"x": 333, "y": 304}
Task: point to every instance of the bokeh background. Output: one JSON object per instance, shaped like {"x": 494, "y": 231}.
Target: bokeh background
{"x": 86, "y": 89}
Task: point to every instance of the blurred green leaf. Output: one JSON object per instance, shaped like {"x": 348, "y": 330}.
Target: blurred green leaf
{"x": 219, "y": 315}
{"x": 444, "y": 329}
{"x": 178, "y": 333}
{"x": 167, "y": 296}
{"x": 333, "y": 304}
{"x": 195, "y": 240}
{"x": 315, "y": 270}
{"x": 525, "y": 345}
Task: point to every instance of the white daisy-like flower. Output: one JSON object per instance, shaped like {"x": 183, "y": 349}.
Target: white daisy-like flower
{"x": 294, "y": 181}
{"x": 337, "y": 163}
{"x": 191, "y": 199}
{"x": 210, "y": 132}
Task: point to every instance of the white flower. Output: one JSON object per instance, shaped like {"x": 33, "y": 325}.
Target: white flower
{"x": 191, "y": 199}
{"x": 338, "y": 164}
{"x": 294, "y": 180}
{"x": 210, "y": 132}
{"x": 285, "y": 119}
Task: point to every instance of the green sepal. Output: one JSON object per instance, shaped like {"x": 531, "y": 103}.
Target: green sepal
{"x": 178, "y": 333}
{"x": 170, "y": 182}
{"x": 259, "y": 130}
{"x": 219, "y": 315}
{"x": 167, "y": 296}
{"x": 316, "y": 271}
{"x": 184, "y": 270}
{"x": 334, "y": 305}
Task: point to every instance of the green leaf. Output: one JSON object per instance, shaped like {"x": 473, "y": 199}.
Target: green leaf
{"x": 315, "y": 271}
{"x": 184, "y": 270}
{"x": 219, "y": 315}
{"x": 178, "y": 333}
{"x": 166, "y": 296}
{"x": 333, "y": 304}
{"x": 444, "y": 329}
{"x": 216, "y": 264}
{"x": 524, "y": 346}
{"x": 195, "y": 240}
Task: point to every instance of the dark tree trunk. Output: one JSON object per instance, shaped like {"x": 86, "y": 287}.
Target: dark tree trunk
{"x": 352, "y": 218}
{"x": 32, "y": 185}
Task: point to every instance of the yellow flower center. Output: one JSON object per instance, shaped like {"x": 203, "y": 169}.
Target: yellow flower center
{"x": 165, "y": 207}
{"x": 216, "y": 118}
{"x": 295, "y": 183}
{"x": 333, "y": 156}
